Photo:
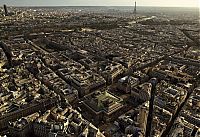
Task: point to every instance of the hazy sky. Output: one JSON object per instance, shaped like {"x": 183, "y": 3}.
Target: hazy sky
{"x": 164, "y": 3}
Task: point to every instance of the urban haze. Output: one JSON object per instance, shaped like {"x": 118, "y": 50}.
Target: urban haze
{"x": 109, "y": 68}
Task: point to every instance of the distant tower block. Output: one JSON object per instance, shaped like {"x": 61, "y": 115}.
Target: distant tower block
{"x": 135, "y": 8}
{"x": 6, "y": 10}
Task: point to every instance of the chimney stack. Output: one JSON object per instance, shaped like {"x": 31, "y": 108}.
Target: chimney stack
{"x": 5, "y": 10}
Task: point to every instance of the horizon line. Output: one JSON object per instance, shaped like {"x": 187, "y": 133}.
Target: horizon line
{"x": 104, "y": 6}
